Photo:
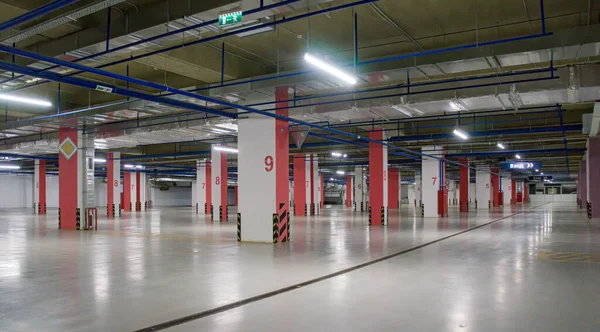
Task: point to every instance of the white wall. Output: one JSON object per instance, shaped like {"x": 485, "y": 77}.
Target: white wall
{"x": 16, "y": 191}
{"x": 175, "y": 196}
{"x": 569, "y": 198}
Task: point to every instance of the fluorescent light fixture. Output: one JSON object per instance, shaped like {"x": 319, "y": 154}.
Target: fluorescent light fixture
{"x": 324, "y": 66}
{"x": 254, "y": 32}
{"x": 128, "y": 166}
{"x": 10, "y": 167}
{"x": 517, "y": 156}
{"x": 25, "y": 100}
{"x": 139, "y": 166}
{"x": 542, "y": 173}
{"x": 501, "y": 146}
{"x": 99, "y": 160}
{"x": 336, "y": 154}
{"x": 225, "y": 149}
{"x": 460, "y": 134}
{"x": 340, "y": 172}
{"x": 403, "y": 110}
{"x": 345, "y": 155}
{"x": 228, "y": 126}
{"x": 537, "y": 170}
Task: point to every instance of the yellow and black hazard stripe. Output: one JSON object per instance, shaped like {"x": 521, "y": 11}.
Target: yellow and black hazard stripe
{"x": 239, "y": 227}
{"x": 306, "y": 209}
{"x": 288, "y": 226}
{"x": 58, "y": 218}
{"x": 146, "y": 206}
{"x": 422, "y": 210}
{"x": 370, "y": 220}
{"x": 196, "y": 208}
{"x": 220, "y": 213}
{"x": 39, "y": 208}
{"x": 382, "y": 216}
{"x": 78, "y": 219}
{"x": 44, "y": 208}
{"x": 275, "y": 228}
{"x": 205, "y": 208}
{"x": 212, "y": 212}
{"x": 589, "y": 210}
{"x": 120, "y": 209}
{"x": 362, "y": 207}
{"x": 489, "y": 204}
{"x": 226, "y": 212}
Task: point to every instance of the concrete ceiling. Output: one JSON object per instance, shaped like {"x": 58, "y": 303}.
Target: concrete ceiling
{"x": 386, "y": 28}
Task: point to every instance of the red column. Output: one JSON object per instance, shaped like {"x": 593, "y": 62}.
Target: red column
{"x": 110, "y": 181}
{"x": 377, "y": 178}
{"x": 496, "y": 187}
{"x": 235, "y": 195}
{"x": 593, "y": 177}
{"x": 393, "y": 189}
{"x": 224, "y": 198}
{"x": 300, "y": 185}
{"x": 312, "y": 185}
{"x": 40, "y": 186}
{"x": 464, "y": 185}
{"x": 348, "y": 190}
{"x": 67, "y": 179}
{"x": 208, "y": 188}
{"x": 126, "y": 191}
{"x": 138, "y": 196}
{"x": 322, "y": 190}
{"x": 513, "y": 192}
{"x": 525, "y": 192}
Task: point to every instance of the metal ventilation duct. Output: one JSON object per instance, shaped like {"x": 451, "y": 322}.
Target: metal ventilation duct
{"x": 63, "y": 19}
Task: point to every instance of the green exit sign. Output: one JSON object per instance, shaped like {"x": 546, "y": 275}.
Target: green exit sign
{"x": 230, "y": 18}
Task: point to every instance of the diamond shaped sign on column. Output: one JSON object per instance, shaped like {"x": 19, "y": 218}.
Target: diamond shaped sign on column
{"x": 67, "y": 148}
{"x": 299, "y": 134}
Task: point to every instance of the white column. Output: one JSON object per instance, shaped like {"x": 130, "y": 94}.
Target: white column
{"x": 316, "y": 183}
{"x": 430, "y": 170}
{"x": 143, "y": 189}
{"x": 418, "y": 191}
{"x": 263, "y": 178}
{"x": 483, "y": 185}
{"x": 219, "y": 184}
{"x": 117, "y": 183}
{"x": 411, "y": 195}
{"x": 506, "y": 189}
{"x": 201, "y": 186}
{"x": 359, "y": 187}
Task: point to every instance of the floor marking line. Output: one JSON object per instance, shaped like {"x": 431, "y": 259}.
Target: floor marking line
{"x": 233, "y": 305}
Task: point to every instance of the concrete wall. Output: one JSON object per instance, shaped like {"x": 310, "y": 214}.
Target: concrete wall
{"x": 569, "y": 198}
{"x": 175, "y": 196}
{"x": 16, "y": 191}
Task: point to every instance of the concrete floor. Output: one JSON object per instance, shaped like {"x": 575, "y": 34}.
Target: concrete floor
{"x": 538, "y": 269}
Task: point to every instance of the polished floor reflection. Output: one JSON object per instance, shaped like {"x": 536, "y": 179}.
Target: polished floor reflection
{"x": 536, "y": 269}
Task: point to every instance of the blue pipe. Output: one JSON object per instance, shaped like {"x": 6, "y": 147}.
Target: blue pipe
{"x": 222, "y": 63}
{"x": 341, "y": 93}
{"x": 182, "y": 30}
{"x": 505, "y": 152}
{"x": 40, "y": 11}
{"x": 413, "y": 93}
{"x": 401, "y": 86}
{"x": 108, "y": 29}
{"x": 124, "y": 92}
{"x": 88, "y": 84}
{"x": 455, "y": 48}
{"x": 25, "y": 156}
{"x": 489, "y": 133}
